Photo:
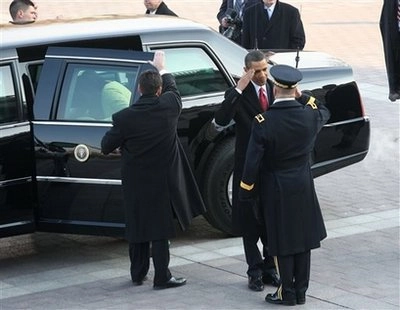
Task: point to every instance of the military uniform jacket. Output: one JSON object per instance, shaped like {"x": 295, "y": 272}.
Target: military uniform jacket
{"x": 283, "y": 31}
{"x": 278, "y": 154}
{"x": 241, "y": 108}
{"x": 157, "y": 181}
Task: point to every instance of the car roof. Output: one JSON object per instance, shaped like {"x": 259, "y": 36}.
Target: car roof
{"x": 59, "y": 30}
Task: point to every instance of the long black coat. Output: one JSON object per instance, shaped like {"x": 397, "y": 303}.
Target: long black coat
{"x": 284, "y": 30}
{"x": 163, "y": 9}
{"x": 157, "y": 180}
{"x": 391, "y": 43}
{"x": 278, "y": 157}
{"x": 242, "y": 109}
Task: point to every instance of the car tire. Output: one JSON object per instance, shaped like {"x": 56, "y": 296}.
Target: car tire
{"x": 217, "y": 186}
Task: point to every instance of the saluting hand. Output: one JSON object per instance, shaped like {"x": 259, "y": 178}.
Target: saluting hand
{"x": 297, "y": 93}
{"x": 245, "y": 79}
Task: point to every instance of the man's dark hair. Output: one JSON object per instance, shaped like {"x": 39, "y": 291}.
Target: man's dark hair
{"x": 17, "y": 5}
{"x": 150, "y": 81}
{"x": 253, "y": 56}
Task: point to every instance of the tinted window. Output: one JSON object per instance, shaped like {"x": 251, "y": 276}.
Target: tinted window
{"x": 95, "y": 92}
{"x": 194, "y": 71}
{"x": 34, "y": 73}
{"x": 8, "y": 99}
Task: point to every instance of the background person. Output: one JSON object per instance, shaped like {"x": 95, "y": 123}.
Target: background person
{"x": 278, "y": 163}
{"x": 157, "y": 7}
{"x": 272, "y": 24}
{"x": 390, "y": 31}
{"x": 23, "y": 12}
{"x": 157, "y": 181}
{"x": 225, "y": 9}
{"x": 241, "y": 104}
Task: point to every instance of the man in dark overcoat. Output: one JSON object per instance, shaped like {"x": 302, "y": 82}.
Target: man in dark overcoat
{"x": 157, "y": 181}
{"x": 390, "y": 31}
{"x": 240, "y": 105}
{"x": 278, "y": 163}
{"x": 282, "y": 30}
{"x": 158, "y": 7}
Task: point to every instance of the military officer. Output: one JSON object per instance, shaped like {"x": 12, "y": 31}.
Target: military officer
{"x": 278, "y": 164}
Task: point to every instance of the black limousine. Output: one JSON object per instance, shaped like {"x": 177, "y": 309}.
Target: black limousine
{"x": 53, "y": 176}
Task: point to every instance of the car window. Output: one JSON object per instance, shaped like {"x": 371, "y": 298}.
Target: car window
{"x": 194, "y": 71}
{"x": 34, "y": 72}
{"x": 8, "y": 99}
{"x": 95, "y": 92}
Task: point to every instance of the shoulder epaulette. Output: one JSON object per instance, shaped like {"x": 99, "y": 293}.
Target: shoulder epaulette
{"x": 311, "y": 102}
{"x": 259, "y": 118}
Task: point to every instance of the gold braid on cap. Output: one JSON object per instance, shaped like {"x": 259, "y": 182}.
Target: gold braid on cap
{"x": 284, "y": 86}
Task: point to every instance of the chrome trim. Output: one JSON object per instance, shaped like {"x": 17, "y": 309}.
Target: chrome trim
{"x": 204, "y": 96}
{"x": 9, "y": 58}
{"x": 83, "y": 223}
{"x": 74, "y": 123}
{"x": 353, "y": 120}
{"x": 78, "y": 180}
{"x": 14, "y": 129}
{"x": 96, "y": 58}
{"x": 21, "y": 223}
{"x": 15, "y": 181}
{"x": 328, "y": 162}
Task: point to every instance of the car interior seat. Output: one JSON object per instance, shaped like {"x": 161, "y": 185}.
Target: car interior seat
{"x": 87, "y": 96}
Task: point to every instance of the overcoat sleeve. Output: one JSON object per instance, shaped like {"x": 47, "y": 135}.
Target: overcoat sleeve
{"x": 170, "y": 89}
{"x": 112, "y": 139}
{"x": 297, "y": 34}
{"x": 323, "y": 112}
{"x": 254, "y": 155}
{"x": 227, "y": 111}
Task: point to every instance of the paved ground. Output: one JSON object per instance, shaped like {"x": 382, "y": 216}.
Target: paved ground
{"x": 357, "y": 267}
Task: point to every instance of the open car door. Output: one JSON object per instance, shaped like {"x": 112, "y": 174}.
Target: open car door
{"x": 79, "y": 89}
{"x": 16, "y": 154}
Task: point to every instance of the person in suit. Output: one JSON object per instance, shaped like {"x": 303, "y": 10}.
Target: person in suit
{"x": 278, "y": 165}
{"x": 271, "y": 24}
{"x": 240, "y": 105}
{"x": 157, "y": 181}
{"x": 226, "y": 8}
{"x": 390, "y": 31}
{"x": 157, "y": 7}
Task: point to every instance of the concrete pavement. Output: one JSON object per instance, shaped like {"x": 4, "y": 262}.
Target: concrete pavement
{"x": 357, "y": 267}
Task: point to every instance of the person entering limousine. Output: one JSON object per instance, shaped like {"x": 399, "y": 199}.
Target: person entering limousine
{"x": 157, "y": 181}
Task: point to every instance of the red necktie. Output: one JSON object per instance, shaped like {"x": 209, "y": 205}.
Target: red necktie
{"x": 263, "y": 99}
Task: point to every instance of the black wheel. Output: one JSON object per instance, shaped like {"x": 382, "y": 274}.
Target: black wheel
{"x": 217, "y": 186}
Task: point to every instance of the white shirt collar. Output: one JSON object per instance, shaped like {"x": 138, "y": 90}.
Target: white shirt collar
{"x": 283, "y": 99}
{"x": 270, "y": 9}
{"x": 257, "y": 87}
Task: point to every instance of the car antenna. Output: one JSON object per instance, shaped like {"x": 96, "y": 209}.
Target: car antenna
{"x": 297, "y": 56}
{"x": 255, "y": 28}
{"x": 298, "y": 47}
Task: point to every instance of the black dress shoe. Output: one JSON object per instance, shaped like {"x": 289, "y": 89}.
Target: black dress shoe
{"x": 274, "y": 299}
{"x": 301, "y": 299}
{"x": 173, "y": 282}
{"x": 394, "y": 96}
{"x": 270, "y": 276}
{"x": 256, "y": 284}
{"x": 138, "y": 282}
